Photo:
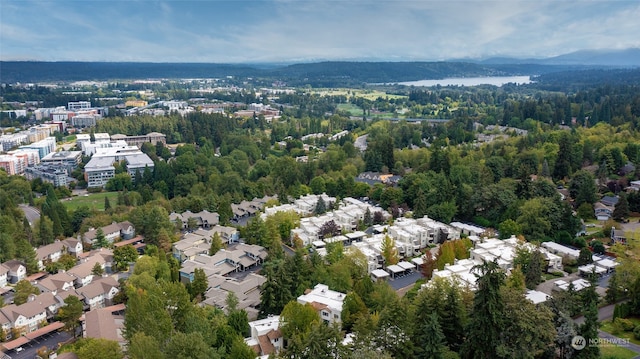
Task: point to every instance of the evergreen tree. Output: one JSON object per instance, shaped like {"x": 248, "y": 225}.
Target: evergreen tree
{"x": 621, "y": 210}
{"x": 368, "y": 219}
{"x": 486, "y": 325}
{"x": 45, "y": 230}
{"x": 216, "y": 244}
{"x": 199, "y": 285}
{"x": 275, "y": 292}
{"x": 534, "y": 269}
{"x": 562, "y": 167}
{"x": 107, "y": 204}
{"x": 321, "y": 207}
{"x": 101, "y": 240}
{"x": 433, "y": 344}
{"x": 70, "y": 313}
{"x": 589, "y": 329}
{"x": 454, "y": 318}
{"x": 97, "y": 270}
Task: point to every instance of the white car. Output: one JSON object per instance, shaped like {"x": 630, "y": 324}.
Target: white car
{"x": 19, "y": 349}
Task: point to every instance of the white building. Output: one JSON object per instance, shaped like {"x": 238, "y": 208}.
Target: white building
{"x": 266, "y": 338}
{"x": 326, "y": 302}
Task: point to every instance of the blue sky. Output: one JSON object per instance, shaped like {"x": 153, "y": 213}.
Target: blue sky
{"x": 310, "y": 30}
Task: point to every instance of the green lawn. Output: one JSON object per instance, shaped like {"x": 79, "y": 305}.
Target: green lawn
{"x": 351, "y": 108}
{"x": 92, "y": 200}
{"x": 606, "y": 326}
{"x": 616, "y": 352}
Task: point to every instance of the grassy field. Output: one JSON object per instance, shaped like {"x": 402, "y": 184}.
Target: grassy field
{"x": 616, "y": 352}
{"x": 94, "y": 200}
{"x": 371, "y": 95}
{"x": 351, "y": 108}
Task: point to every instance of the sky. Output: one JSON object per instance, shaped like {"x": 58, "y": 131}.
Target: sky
{"x": 240, "y": 31}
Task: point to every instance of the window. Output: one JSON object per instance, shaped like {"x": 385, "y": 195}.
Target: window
{"x": 325, "y": 314}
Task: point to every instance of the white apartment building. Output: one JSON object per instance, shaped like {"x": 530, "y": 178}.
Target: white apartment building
{"x": 78, "y": 105}
{"x": 14, "y": 140}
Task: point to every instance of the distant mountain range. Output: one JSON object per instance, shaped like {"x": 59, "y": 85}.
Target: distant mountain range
{"x": 319, "y": 74}
{"x": 614, "y": 58}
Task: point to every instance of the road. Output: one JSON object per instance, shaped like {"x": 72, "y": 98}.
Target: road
{"x": 606, "y": 313}
{"x": 31, "y": 349}
{"x": 32, "y": 213}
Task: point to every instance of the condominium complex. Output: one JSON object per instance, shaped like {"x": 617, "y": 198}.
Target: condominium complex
{"x": 66, "y": 160}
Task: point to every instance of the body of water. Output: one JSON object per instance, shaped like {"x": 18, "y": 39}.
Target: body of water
{"x": 470, "y": 81}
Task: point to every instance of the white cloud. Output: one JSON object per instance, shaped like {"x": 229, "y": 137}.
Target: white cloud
{"x": 251, "y": 31}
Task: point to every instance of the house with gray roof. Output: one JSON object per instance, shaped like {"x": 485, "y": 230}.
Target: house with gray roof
{"x": 49, "y": 253}
{"x": 99, "y": 293}
{"x": 17, "y": 271}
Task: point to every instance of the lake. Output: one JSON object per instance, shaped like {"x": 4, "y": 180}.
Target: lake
{"x": 470, "y": 81}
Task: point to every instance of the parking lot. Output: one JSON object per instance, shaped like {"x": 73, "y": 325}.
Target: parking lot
{"x": 30, "y": 350}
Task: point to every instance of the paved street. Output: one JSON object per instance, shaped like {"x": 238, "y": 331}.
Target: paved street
{"x": 31, "y": 213}
{"x": 606, "y": 313}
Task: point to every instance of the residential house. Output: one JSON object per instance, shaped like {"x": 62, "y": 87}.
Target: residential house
{"x": 266, "y": 338}
{"x": 228, "y": 235}
{"x": 59, "y": 282}
{"x": 4, "y": 274}
{"x": 238, "y": 258}
{"x": 83, "y": 272}
{"x": 602, "y": 211}
{"x": 49, "y": 253}
{"x": 105, "y": 323}
{"x": 99, "y": 293}
{"x": 202, "y": 219}
{"x": 326, "y": 302}
{"x": 28, "y": 317}
{"x": 5, "y": 325}
{"x": 123, "y": 230}
{"x": 247, "y": 291}
{"x": 190, "y": 246}
{"x": 17, "y": 271}
{"x": 73, "y": 246}
{"x": 372, "y": 178}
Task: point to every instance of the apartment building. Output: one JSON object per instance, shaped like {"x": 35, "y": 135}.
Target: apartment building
{"x": 67, "y": 160}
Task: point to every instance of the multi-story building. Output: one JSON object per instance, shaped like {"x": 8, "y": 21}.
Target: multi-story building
{"x": 152, "y": 137}
{"x": 99, "y": 171}
{"x": 79, "y": 105}
{"x": 137, "y": 163}
{"x": 67, "y": 160}
{"x": 327, "y": 302}
{"x": 84, "y": 120}
{"x": 44, "y": 146}
{"x": 14, "y": 140}
{"x": 49, "y": 173}
{"x": 11, "y": 164}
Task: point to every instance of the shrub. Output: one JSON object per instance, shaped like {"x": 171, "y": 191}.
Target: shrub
{"x": 636, "y": 332}
{"x": 622, "y": 325}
